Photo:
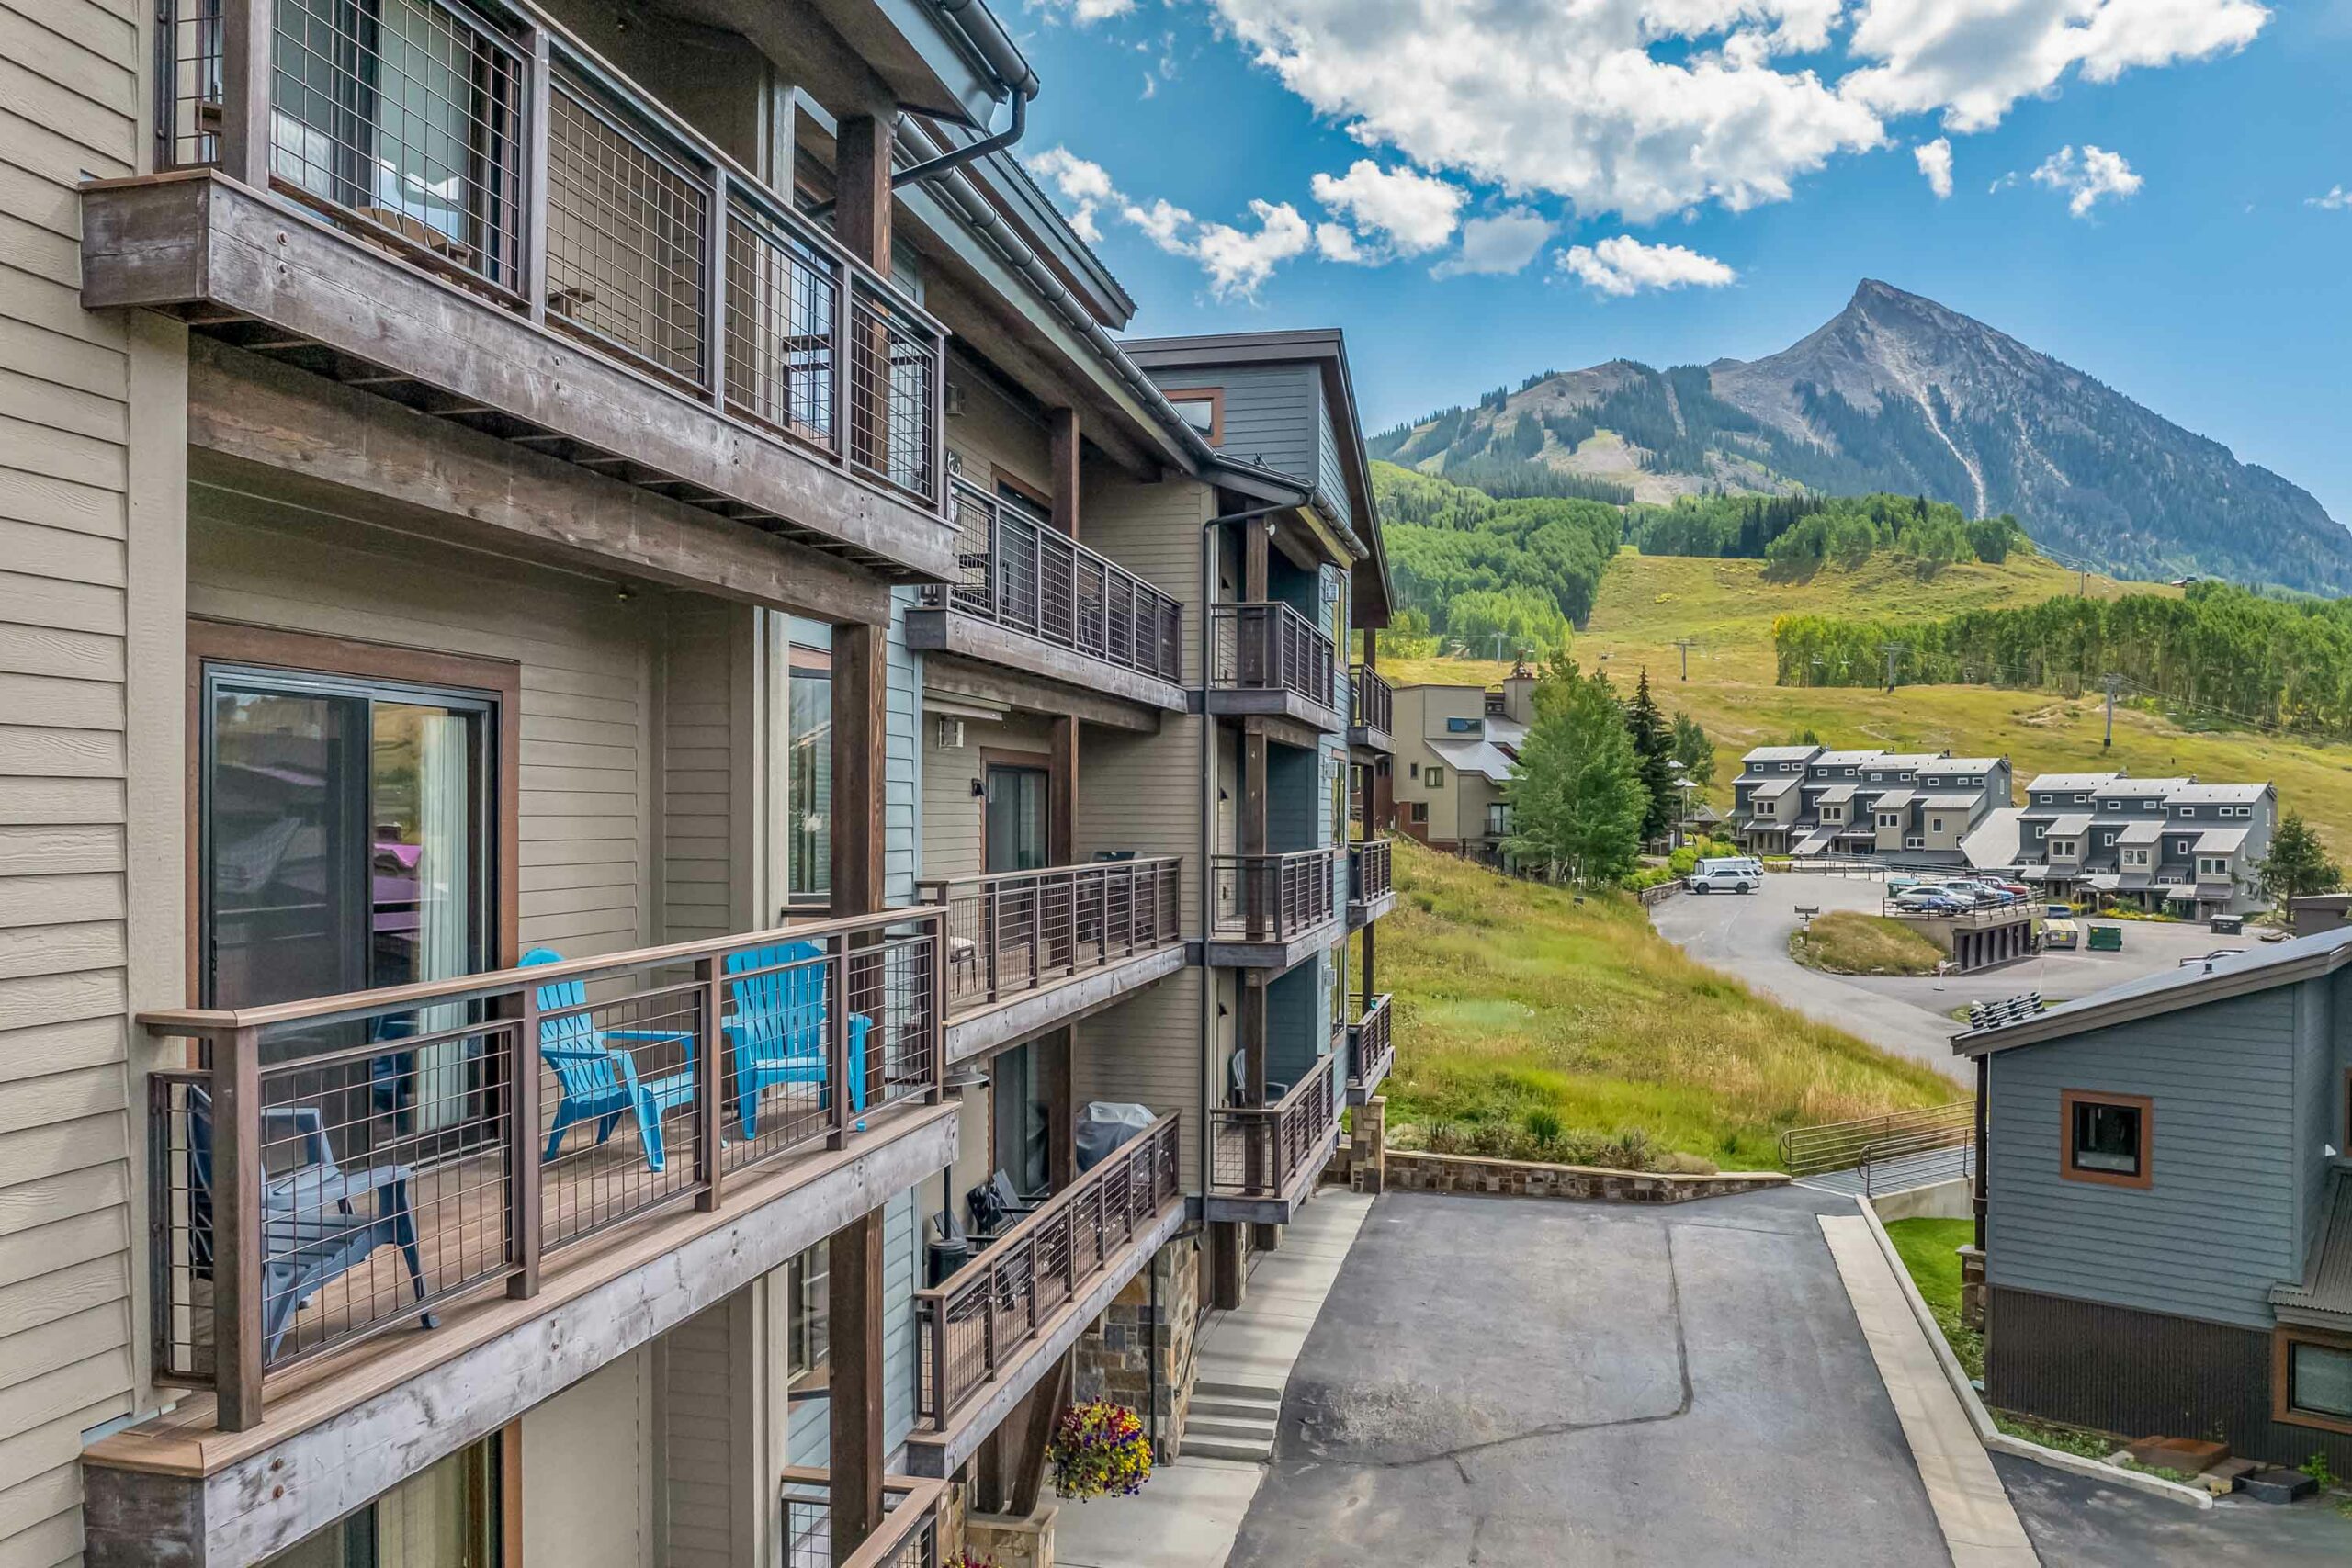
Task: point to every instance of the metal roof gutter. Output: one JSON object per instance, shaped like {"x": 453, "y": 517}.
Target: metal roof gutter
{"x": 993, "y": 44}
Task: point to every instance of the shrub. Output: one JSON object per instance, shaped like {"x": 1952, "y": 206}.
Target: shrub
{"x": 1544, "y": 1127}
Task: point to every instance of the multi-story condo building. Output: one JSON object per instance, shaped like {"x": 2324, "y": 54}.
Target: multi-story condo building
{"x": 2157, "y": 845}
{"x": 613, "y": 694}
{"x": 1809, "y": 800}
{"x": 1451, "y": 781}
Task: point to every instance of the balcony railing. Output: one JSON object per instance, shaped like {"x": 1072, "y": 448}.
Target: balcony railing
{"x": 1368, "y": 870}
{"x": 1373, "y": 701}
{"x": 1271, "y": 897}
{"x": 994, "y": 1308}
{"x": 1270, "y": 648}
{"x": 1021, "y": 572}
{"x": 914, "y": 1522}
{"x": 1258, "y": 1150}
{"x": 1024, "y": 930}
{"x": 1368, "y": 1043}
{"x": 487, "y": 146}
{"x": 330, "y": 1171}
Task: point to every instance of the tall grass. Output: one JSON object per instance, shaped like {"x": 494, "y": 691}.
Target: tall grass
{"x": 1514, "y": 998}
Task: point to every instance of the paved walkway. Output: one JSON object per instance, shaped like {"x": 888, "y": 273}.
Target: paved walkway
{"x": 1190, "y": 1513}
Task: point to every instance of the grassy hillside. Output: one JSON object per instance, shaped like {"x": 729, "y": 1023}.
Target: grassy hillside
{"x": 1516, "y": 998}
{"x": 1727, "y": 607}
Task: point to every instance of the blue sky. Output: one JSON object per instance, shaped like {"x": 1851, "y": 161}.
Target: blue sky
{"x": 1674, "y": 180}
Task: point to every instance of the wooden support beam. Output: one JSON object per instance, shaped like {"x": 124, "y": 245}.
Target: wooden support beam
{"x": 1254, "y": 539}
{"x": 1046, "y": 1402}
{"x": 859, "y": 727}
{"x": 1056, "y": 1069}
{"x": 1371, "y": 986}
{"x": 1063, "y": 442}
{"x": 1253, "y": 788}
{"x": 854, "y": 1256}
{"x": 1061, "y": 810}
{"x": 1253, "y": 1038}
{"x": 1225, "y": 1273}
{"x": 862, "y": 200}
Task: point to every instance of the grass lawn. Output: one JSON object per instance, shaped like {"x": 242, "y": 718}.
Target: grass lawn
{"x": 1847, "y": 941}
{"x": 1728, "y": 606}
{"x": 1927, "y": 1248}
{"x": 1514, "y": 1000}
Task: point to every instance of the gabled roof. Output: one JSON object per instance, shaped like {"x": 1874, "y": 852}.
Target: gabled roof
{"x": 2219, "y": 841}
{"x": 1848, "y": 759}
{"x": 2257, "y": 969}
{"x": 2144, "y": 789}
{"x": 1779, "y": 753}
{"x": 2072, "y": 823}
{"x": 1774, "y": 788}
{"x": 1911, "y": 759}
{"x": 1838, "y": 793}
{"x": 1993, "y": 841}
{"x": 1948, "y": 802}
{"x": 1484, "y": 758}
{"x": 2077, "y": 781}
{"x": 1894, "y": 799}
{"x": 2141, "y": 833}
{"x": 1962, "y": 764}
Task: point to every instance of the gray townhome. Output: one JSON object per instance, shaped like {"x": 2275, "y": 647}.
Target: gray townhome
{"x": 2165, "y": 1204}
{"x": 1809, "y": 800}
{"x": 2158, "y": 844}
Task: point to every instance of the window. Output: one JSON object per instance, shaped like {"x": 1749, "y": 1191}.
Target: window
{"x": 1935, "y": 824}
{"x": 447, "y": 1515}
{"x": 2215, "y": 868}
{"x": 1412, "y": 770}
{"x": 2115, "y": 806}
{"x": 1878, "y": 778}
{"x": 2082, "y": 800}
{"x": 2191, "y": 811}
{"x": 1915, "y": 843}
{"x": 1464, "y": 725}
{"x": 1417, "y": 812}
{"x": 2040, "y": 829}
{"x": 808, "y": 1326}
{"x": 809, "y": 771}
{"x": 2106, "y": 1138}
{"x": 1203, "y": 410}
{"x": 2312, "y": 1379}
{"x": 2106, "y": 840}
{"x": 1434, "y": 777}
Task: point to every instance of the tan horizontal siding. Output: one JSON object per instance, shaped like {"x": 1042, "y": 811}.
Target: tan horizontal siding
{"x": 1147, "y": 1050}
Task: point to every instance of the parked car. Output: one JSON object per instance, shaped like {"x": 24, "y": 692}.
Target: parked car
{"x": 1926, "y": 900}
{"x": 1980, "y": 895}
{"x": 1723, "y": 876}
{"x": 1897, "y": 881}
{"x": 1748, "y": 864}
{"x": 2014, "y": 889}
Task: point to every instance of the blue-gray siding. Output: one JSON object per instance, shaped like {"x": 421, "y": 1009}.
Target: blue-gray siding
{"x": 1329, "y": 477}
{"x": 2217, "y": 1229}
{"x": 1269, "y": 412}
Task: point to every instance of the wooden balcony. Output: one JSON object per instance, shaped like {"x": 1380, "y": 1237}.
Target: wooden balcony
{"x": 987, "y": 1336}
{"x": 1268, "y": 660}
{"x": 328, "y": 1172}
{"x": 914, "y": 1532}
{"x": 1034, "y": 950}
{"x": 1268, "y": 911}
{"x": 1265, "y": 1159}
{"x": 491, "y": 226}
{"x": 1029, "y": 597}
{"x": 1372, "y": 710}
{"x": 1370, "y": 1049}
{"x": 1372, "y": 892}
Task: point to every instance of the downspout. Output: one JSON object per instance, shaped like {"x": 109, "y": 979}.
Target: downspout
{"x": 1984, "y": 1094}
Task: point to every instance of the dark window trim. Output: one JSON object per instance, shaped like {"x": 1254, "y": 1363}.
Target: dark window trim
{"x": 2283, "y": 1340}
{"x": 2146, "y": 1175}
{"x": 1213, "y": 396}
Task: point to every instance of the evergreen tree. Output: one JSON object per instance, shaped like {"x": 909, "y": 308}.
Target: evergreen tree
{"x": 1695, "y": 751}
{"x": 2298, "y": 863}
{"x": 1653, "y": 745}
{"x": 1576, "y": 795}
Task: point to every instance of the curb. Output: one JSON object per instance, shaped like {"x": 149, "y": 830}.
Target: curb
{"x": 1992, "y": 1437}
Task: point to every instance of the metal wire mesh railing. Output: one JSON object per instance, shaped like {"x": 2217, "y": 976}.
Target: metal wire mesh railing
{"x": 1270, "y": 648}
{"x": 605, "y": 217}
{"x": 1023, "y": 931}
{"x": 1372, "y": 701}
{"x": 329, "y": 1170}
{"x": 1369, "y": 1045}
{"x": 970, "y": 1329}
{"x": 1270, "y": 898}
{"x": 1257, "y": 1151}
{"x": 909, "y": 1535}
{"x": 1018, "y": 570}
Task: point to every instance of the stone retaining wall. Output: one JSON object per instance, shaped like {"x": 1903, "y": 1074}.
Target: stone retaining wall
{"x": 1412, "y": 1171}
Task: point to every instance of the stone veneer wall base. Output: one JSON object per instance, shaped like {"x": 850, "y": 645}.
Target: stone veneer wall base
{"x": 1412, "y": 1171}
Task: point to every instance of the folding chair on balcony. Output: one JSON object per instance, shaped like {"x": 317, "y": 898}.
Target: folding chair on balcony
{"x": 777, "y": 1035}
{"x": 596, "y": 1074}
{"x": 304, "y": 1247}
{"x": 996, "y": 1207}
{"x": 1240, "y": 1077}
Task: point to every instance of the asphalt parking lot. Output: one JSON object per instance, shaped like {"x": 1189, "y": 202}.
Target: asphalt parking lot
{"x": 1748, "y": 936}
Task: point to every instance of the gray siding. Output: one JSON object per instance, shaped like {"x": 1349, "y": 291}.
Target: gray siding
{"x": 1330, "y": 476}
{"x": 704, "y": 1404}
{"x": 903, "y": 760}
{"x": 1270, "y": 412}
{"x": 2217, "y": 1229}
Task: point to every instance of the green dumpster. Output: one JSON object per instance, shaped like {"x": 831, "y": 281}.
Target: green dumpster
{"x": 2107, "y": 938}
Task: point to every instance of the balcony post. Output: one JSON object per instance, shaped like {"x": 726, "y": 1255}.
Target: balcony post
{"x": 532, "y": 196}
{"x": 837, "y": 1113}
{"x": 248, "y": 34}
{"x": 714, "y": 252}
{"x": 238, "y": 1348}
{"x": 854, "y": 1260}
{"x": 526, "y": 1238}
{"x": 710, "y": 1055}
{"x": 1063, "y": 442}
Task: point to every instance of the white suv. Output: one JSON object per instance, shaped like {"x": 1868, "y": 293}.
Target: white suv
{"x": 1723, "y": 876}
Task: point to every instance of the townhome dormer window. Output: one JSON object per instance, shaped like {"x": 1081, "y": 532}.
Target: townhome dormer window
{"x": 2108, "y": 1138}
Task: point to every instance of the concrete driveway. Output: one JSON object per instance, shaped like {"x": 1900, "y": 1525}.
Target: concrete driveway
{"x": 1506, "y": 1382}
{"x": 1747, "y": 937}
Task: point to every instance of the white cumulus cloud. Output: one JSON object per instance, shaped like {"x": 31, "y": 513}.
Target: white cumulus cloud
{"x": 1086, "y": 13}
{"x": 1647, "y": 107}
{"x": 1970, "y": 59}
{"x": 1337, "y": 241}
{"x": 1412, "y": 211}
{"x": 1162, "y": 222}
{"x": 1624, "y": 265}
{"x": 1505, "y": 243}
{"x": 1238, "y": 260}
{"x": 2337, "y": 199}
{"x": 1084, "y": 185}
{"x": 2087, "y": 177}
{"x": 1935, "y": 162}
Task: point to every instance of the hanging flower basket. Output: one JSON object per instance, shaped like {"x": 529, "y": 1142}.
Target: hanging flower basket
{"x": 1099, "y": 1449}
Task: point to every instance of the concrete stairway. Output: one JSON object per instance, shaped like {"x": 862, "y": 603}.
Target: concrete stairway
{"x": 1232, "y": 1420}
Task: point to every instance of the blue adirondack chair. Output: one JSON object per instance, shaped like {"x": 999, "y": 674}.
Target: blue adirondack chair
{"x": 304, "y": 1247}
{"x": 596, "y": 1074}
{"x": 777, "y": 1034}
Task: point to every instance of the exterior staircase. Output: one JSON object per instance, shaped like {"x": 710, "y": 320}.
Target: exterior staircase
{"x": 1232, "y": 1420}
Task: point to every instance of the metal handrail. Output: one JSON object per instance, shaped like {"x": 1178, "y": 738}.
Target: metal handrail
{"x": 572, "y": 197}
{"x": 1837, "y": 1146}
{"x": 1883, "y": 1151}
{"x": 970, "y": 1328}
{"x": 1019, "y": 571}
{"x": 1269, "y": 646}
{"x": 1276, "y": 1139}
{"x": 908, "y": 1537}
{"x": 1372, "y": 700}
{"x": 1368, "y": 1038}
{"x": 1271, "y": 896}
{"x": 1368, "y": 870}
{"x": 441, "y": 1113}
{"x": 1014, "y": 932}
